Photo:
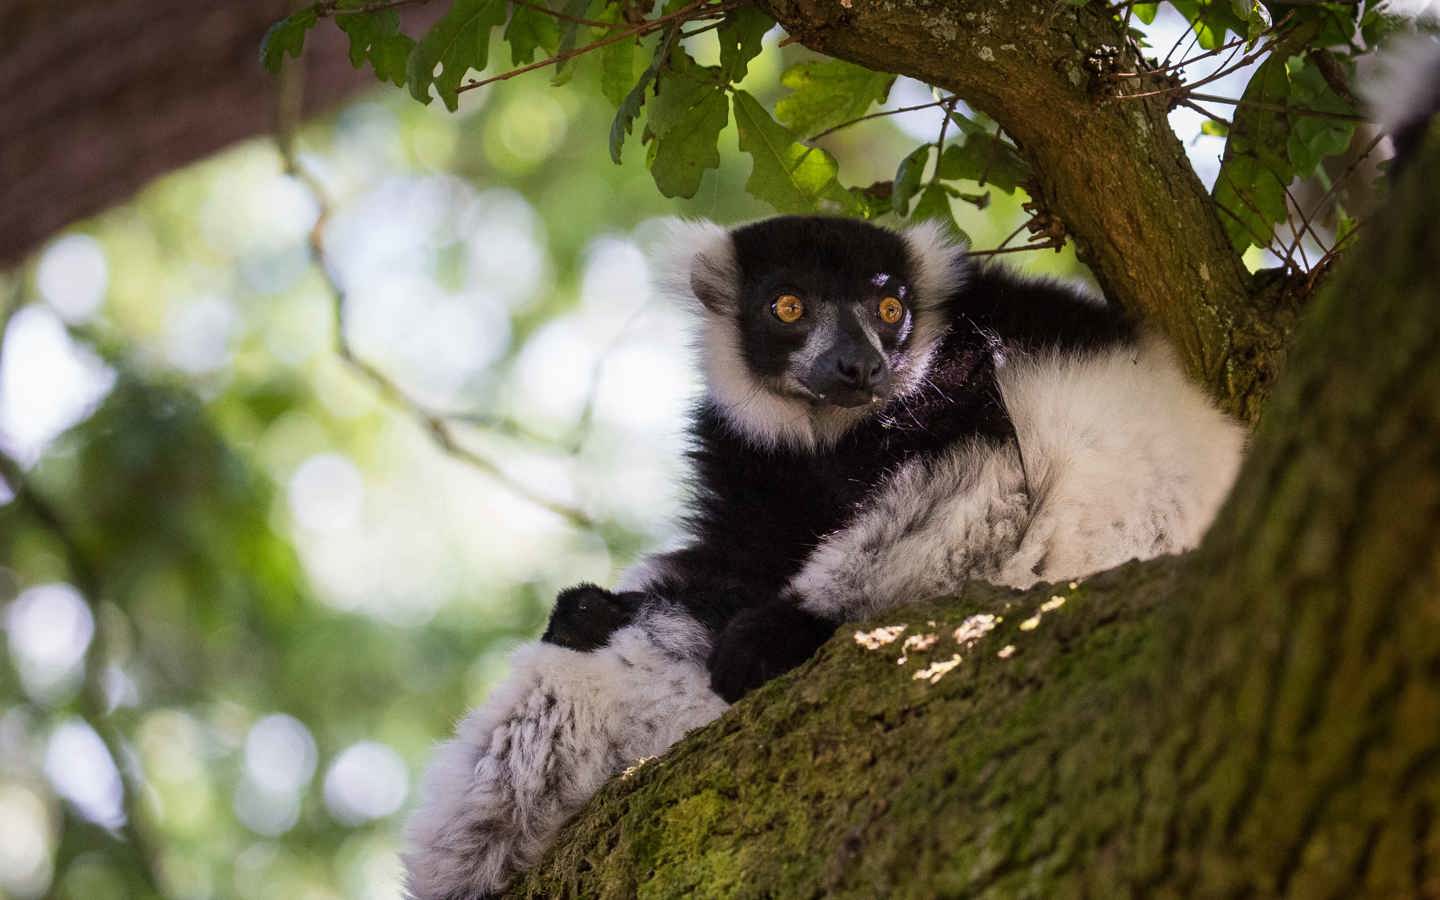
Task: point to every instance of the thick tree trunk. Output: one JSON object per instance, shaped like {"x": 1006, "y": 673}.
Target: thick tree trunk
{"x": 98, "y": 97}
{"x": 1259, "y": 718}
{"x": 1111, "y": 169}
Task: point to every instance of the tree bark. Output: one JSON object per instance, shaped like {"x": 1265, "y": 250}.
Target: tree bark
{"x": 1111, "y": 169}
{"x": 98, "y": 97}
{"x": 1260, "y": 718}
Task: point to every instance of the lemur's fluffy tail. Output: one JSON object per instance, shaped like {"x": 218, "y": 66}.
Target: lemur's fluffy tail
{"x": 1406, "y": 96}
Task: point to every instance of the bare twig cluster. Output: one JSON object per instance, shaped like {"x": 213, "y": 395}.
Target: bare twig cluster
{"x": 438, "y": 426}
{"x": 697, "y": 11}
{"x": 1047, "y": 232}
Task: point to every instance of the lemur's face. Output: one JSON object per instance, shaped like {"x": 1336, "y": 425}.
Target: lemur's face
{"x": 822, "y": 308}
{"x": 812, "y": 322}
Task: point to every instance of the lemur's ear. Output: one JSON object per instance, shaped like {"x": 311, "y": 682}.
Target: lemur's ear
{"x": 695, "y": 260}
{"x": 937, "y": 262}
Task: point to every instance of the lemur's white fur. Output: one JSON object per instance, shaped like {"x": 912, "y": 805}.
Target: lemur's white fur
{"x": 560, "y": 725}
{"x": 1125, "y": 458}
{"x": 1117, "y": 456}
{"x": 1402, "y": 91}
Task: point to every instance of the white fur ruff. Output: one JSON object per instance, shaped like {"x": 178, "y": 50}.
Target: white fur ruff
{"x": 695, "y": 267}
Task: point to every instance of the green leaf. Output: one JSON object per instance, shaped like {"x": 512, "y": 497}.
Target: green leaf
{"x": 376, "y": 37}
{"x": 457, "y": 43}
{"x": 873, "y": 201}
{"x": 617, "y": 69}
{"x": 907, "y": 178}
{"x": 633, "y": 102}
{"x": 569, "y": 36}
{"x": 528, "y": 30}
{"x": 967, "y": 125}
{"x": 987, "y": 159}
{"x": 1146, "y": 12}
{"x": 286, "y": 36}
{"x": 683, "y": 123}
{"x": 690, "y": 145}
{"x": 1212, "y": 19}
{"x": 827, "y": 93}
{"x": 740, "y": 34}
{"x": 934, "y": 204}
{"x": 788, "y": 175}
{"x": 1314, "y": 138}
{"x": 1214, "y": 128}
{"x": 1255, "y": 168}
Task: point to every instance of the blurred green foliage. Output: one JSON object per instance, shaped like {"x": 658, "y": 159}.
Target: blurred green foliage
{"x": 1297, "y": 98}
{"x": 268, "y": 537}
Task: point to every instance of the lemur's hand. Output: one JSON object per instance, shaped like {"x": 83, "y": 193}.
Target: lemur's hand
{"x": 585, "y": 616}
{"x": 762, "y": 643}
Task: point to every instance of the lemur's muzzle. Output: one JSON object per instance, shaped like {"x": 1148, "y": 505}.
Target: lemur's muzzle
{"x": 849, "y": 373}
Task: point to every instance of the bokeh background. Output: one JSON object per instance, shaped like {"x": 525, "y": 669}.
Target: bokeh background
{"x": 299, "y": 589}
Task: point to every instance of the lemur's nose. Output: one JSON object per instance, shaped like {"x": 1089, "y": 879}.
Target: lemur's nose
{"x": 859, "y": 371}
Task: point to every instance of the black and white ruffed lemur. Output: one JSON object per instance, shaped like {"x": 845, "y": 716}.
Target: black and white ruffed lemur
{"x": 884, "y": 420}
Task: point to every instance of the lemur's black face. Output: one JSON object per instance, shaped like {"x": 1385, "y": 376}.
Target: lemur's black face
{"x": 823, "y": 308}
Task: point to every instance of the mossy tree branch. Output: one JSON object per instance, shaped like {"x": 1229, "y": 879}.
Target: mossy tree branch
{"x": 1112, "y": 170}
{"x": 1260, "y": 718}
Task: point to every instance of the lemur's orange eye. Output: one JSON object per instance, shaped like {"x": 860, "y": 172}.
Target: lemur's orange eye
{"x": 788, "y": 308}
{"x": 891, "y": 311}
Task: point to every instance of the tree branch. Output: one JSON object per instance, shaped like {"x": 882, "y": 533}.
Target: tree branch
{"x": 1114, "y": 173}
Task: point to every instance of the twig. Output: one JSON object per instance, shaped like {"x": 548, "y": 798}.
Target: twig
{"x": 1049, "y": 244}
{"x": 949, "y": 106}
{"x": 697, "y": 10}
{"x": 876, "y": 115}
{"x": 1292, "y": 210}
{"x": 438, "y": 428}
{"x": 1194, "y": 36}
{"x": 92, "y": 697}
{"x": 1012, "y": 235}
{"x": 1225, "y": 69}
{"x": 556, "y": 14}
{"x": 990, "y": 157}
{"x": 1166, "y": 66}
{"x": 711, "y": 27}
{"x": 1276, "y": 107}
{"x": 1260, "y": 240}
{"x": 1325, "y": 261}
{"x": 330, "y": 8}
{"x": 1346, "y": 175}
{"x": 1205, "y": 112}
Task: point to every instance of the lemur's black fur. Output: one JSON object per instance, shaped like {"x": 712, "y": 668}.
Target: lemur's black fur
{"x": 758, "y": 512}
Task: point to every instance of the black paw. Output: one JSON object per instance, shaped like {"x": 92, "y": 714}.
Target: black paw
{"x": 762, "y": 643}
{"x": 585, "y": 616}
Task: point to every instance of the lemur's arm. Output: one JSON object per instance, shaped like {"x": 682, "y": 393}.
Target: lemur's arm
{"x": 935, "y": 525}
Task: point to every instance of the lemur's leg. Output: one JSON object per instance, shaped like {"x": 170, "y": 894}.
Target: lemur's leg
{"x": 931, "y": 527}
{"x": 561, "y": 725}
